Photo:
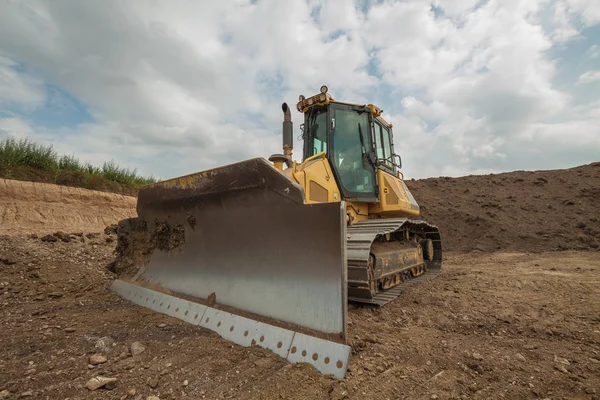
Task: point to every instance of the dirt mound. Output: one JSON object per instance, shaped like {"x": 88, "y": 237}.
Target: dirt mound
{"x": 522, "y": 211}
{"x": 28, "y": 207}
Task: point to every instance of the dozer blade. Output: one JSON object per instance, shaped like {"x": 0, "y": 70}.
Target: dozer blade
{"x": 242, "y": 236}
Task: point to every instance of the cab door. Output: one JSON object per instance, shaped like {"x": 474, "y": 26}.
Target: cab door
{"x": 351, "y": 153}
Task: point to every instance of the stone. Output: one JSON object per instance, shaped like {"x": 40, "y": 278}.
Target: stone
{"x": 49, "y": 239}
{"x": 477, "y": 356}
{"x": 520, "y": 357}
{"x": 4, "y": 394}
{"x": 372, "y": 339}
{"x": 131, "y": 392}
{"x": 561, "y": 360}
{"x": 185, "y": 383}
{"x": 62, "y": 236}
{"x": 101, "y": 381}
{"x": 137, "y": 348}
{"x": 96, "y": 359}
{"x": 561, "y": 368}
{"x": 28, "y": 393}
{"x": 111, "y": 229}
{"x": 105, "y": 344}
{"x": 152, "y": 398}
{"x": 590, "y": 391}
{"x": 153, "y": 382}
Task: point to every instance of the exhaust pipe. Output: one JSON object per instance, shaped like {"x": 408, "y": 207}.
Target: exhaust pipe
{"x": 288, "y": 134}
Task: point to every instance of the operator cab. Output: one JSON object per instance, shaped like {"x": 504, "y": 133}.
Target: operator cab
{"x": 356, "y": 140}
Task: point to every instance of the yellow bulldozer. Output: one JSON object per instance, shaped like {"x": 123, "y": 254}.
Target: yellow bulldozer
{"x": 271, "y": 252}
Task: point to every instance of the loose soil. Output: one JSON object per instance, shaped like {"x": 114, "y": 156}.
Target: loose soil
{"x": 505, "y": 325}
{"x": 509, "y": 317}
{"x": 521, "y": 210}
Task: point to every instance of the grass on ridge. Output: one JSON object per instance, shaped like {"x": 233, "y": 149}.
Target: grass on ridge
{"x": 27, "y": 160}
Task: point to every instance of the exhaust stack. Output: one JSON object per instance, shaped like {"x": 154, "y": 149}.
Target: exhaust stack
{"x": 288, "y": 134}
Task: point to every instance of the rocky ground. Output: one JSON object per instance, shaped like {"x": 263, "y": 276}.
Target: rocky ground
{"x": 514, "y": 314}
{"x": 502, "y": 325}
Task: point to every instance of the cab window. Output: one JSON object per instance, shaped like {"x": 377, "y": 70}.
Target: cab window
{"x": 315, "y": 132}
{"x": 385, "y": 154}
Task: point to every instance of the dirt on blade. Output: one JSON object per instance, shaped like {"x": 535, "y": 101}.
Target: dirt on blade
{"x": 511, "y": 316}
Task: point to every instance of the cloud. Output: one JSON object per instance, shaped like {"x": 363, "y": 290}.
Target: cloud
{"x": 18, "y": 89}
{"x": 589, "y": 76}
{"x": 177, "y": 87}
{"x": 14, "y": 127}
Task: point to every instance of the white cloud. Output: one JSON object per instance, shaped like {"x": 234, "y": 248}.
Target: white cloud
{"x": 589, "y": 10}
{"x": 589, "y": 76}
{"x": 593, "y": 52}
{"x": 18, "y": 89}
{"x": 183, "y": 86}
{"x": 14, "y": 127}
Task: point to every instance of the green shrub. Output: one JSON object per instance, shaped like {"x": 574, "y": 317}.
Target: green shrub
{"x": 26, "y": 153}
{"x": 69, "y": 163}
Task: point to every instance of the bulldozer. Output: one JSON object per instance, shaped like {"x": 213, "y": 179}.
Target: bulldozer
{"x": 279, "y": 247}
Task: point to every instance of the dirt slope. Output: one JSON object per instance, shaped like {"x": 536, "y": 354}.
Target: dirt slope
{"x": 510, "y": 326}
{"x": 522, "y": 211}
{"x": 28, "y": 207}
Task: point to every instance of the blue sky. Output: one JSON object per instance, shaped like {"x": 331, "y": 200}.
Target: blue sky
{"x": 176, "y": 87}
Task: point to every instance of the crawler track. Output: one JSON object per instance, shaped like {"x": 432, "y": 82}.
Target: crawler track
{"x": 363, "y": 285}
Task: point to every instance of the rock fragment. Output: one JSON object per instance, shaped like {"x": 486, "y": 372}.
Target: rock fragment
{"x": 101, "y": 381}
{"x": 561, "y": 368}
{"x": 97, "y": 358}
{"x": 62, "y": 236}
{"x": 520, "y": 357}
{"x": 4, "y": 394}
{"x": 49, "y": 239}
{"x": 137, "y": 348}
{"x": 561, "y": 360}
{"x": 105, "y": 344}
{"x": 153, "y": 382}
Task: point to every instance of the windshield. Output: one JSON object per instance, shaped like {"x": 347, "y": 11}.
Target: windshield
{"x": 350, "y": 144}
{"x": 315, "y": 131}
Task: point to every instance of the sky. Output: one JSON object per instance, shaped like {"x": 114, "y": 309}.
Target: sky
{"x": 176, "y": 87}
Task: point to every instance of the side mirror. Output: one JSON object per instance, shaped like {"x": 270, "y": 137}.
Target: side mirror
{"x": 399, "y": 163}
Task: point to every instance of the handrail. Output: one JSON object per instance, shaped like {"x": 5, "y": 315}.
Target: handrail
{"x": 315, "y": 156}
